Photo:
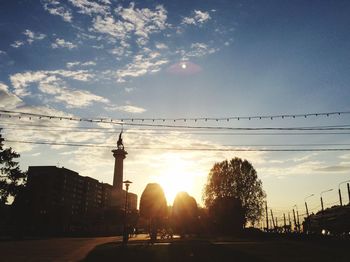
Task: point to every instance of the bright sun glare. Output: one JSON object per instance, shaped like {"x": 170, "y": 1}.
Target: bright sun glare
{"x": 183, "y": 66}
{"x": 176, "y": 177}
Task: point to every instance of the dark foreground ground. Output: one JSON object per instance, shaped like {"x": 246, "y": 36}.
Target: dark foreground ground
{"x": 215, "y": 251}
{"x": 139, "y": 249}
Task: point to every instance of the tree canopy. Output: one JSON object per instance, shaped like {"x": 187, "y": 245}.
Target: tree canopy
{"x": 153, "y": 202}
{"x": 12, "y": 179}
{"x": 236, "y": 179}
{"x": 184, "y": 213}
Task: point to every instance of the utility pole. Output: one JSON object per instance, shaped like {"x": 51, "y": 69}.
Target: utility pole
{"x": 348, "y": 191}
{"x": 290, "y": 222}
{"x": 307, "y": 210}
{"x": 267, "y": 217}
{"x": 284, "y": 222}
{"x": 298, "y": 221}
{"x": 295, "y": 222}
{"x": 273, "y": 220}
{"x": 325, "y": 191}
{"x": 340, "y": 200}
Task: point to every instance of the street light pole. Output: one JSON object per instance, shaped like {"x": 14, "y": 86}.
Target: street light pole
{"x": 307, "y": 210}
{"x": 322, "y": 198}
{"x": 297, "y": 221}
{"x": 125, "y": 227}
{"x": 339, "y": 191}
{"x": 348, "y": 192}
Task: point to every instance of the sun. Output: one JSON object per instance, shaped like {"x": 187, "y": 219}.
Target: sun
{"x": 173, "y": 182}
{"x": 176, "y": 177}
{"x": 183, "y": 66}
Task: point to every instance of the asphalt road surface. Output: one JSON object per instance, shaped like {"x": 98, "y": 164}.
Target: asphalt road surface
{"x": 53, "y": 249}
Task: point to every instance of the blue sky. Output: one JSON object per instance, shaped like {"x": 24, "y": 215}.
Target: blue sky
{"x": 180, "y": 59}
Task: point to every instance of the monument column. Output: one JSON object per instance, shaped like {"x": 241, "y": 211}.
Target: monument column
{"x": 119, "y": 155}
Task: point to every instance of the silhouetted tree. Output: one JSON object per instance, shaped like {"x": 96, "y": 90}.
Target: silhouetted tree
{"x": 227, "y": 215}
{"x": 12, "y": 179}
{"x": 153, "y": 207}
{"x": 235, "y": 179}
{"x": 184, "y": 214}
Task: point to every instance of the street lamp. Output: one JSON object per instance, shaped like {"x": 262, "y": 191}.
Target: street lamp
{"x": 321, "y": 196}
{"x": 296, "y": 221}
{"x": 125, "y": 228}
{"x": 307, "y": 210}
{"x": 340, "y": 200}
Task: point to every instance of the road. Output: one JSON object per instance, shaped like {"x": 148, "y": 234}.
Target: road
{"x": 53, "y": 249}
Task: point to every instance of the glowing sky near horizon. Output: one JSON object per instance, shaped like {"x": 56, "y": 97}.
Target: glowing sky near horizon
{"x": 180, "y": 59}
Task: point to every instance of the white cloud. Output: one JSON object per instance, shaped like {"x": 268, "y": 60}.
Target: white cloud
{"x": 141, "y": 65}
{"x": 127, "y": 108}
{"x": 118, "y": 51}
{"x": 61, "y": 43}
{"x": 199, "y": 17}
{"x": 77, "y": 63}
{"x": 90, "y": 7}
{"x": 21, "y": 81}
{"x": 161, "y": 46}
{"x": 54, "y": 8}
{"x": 72, "y": 64}
{"x": 129, "y": 89}
{"x": 108, "y": 25}
{"x": 132, "y": 21}
{"x": 17, "y": 44}
{"x": 198, "y": 50}
{"x": 54, "y": 86}
{"x": 78, "y": 98}
{"x": 89, "y": 63}
{"x": 7, "y": 99}
{"x": 144, "y": 21}
{"x": 31, "y": 36}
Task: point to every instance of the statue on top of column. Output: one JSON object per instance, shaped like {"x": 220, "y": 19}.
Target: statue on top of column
{"x": 120, "y": 141}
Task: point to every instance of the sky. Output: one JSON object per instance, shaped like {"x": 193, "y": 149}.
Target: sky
{"x": 114, "y": 59}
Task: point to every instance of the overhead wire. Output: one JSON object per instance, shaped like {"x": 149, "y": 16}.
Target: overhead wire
{"x": 184, "y": 119}
{"x": 184, "y": 148}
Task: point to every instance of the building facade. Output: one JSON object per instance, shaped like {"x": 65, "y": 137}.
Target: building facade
{"x": 60, "y": 201}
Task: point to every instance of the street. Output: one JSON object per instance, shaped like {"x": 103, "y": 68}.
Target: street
{"x": 110, "y": 249}
{"x": 53, "y": 249}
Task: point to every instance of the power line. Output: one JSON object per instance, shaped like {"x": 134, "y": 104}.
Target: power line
{"x": 320, "y": 128}
{"x": 183, "y": 148}
{"x": 138, "y": 131}
{"x": 184, "y": 119}
{"x": 166, "y": 131}
{"x": 142, "y": 128}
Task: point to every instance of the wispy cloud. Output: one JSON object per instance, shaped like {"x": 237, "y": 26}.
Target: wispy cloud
{"x": 54, "y": 7}
{"x": 200, "y": 49}
{"x": 7, "y": 99}
{"x": 71, "y": 97}
{"x": 126, "y": 24}
{"x": 61, "y": 43}
{"x": 77, "y": 63}
{"x": 31, "y": 36}
{"x": 335, "y": 168}
{"x": 199, "y": 17}
{"x": 90, "y": 7}
{"x": 17, "y": 44}
{"x": 161, "y": 46}
{"x": 21, "y": 80}
{"x": 149, "y": 62}
{"x": 127, "y": 108}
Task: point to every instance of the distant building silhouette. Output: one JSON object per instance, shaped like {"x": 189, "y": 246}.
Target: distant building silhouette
{"x": 60, "y": 201}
